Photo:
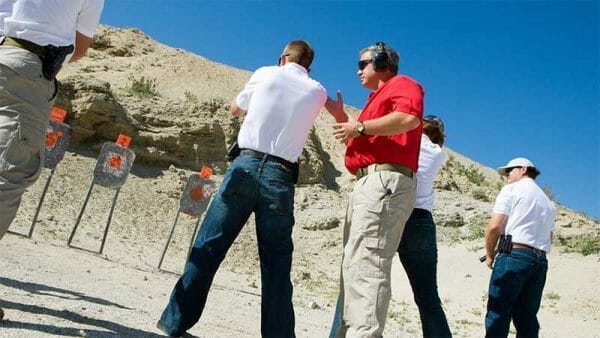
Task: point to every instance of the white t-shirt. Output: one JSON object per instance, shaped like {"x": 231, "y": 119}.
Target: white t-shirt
{"x": 282, "y": 104}
{"x": 530, "y": 213}
{"x": 49, "y": 22}
{"x": 431, "y": 160}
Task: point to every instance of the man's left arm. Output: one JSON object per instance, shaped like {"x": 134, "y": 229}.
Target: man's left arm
{"x": 492, "y": 232}
{"x": 87, "y": 22}
{"x": 394, "y": 123}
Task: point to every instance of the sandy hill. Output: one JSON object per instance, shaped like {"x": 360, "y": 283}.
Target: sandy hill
{"x": 174, "y": 105}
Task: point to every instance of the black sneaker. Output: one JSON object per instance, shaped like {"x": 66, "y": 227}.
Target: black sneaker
{"x": 160, "y": 326}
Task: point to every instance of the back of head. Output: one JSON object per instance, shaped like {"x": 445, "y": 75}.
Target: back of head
{"x": 383, "y": 56}
{"x": 433, "y": 127}
{"x": 300, "y": 52}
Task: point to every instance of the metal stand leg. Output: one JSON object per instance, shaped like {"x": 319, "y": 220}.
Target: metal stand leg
{"x": 37, "y": 211}
{"x": 162, "y": 257}
{"x": 112, "y": 208}
{"x": 193, "y": 238}
{"x": 87, "y": 197}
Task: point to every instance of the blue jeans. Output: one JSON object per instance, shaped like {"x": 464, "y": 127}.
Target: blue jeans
{"x": 250, "y": 185}
{"x": 418, "y": 254}
{"x": 515, "y": 292}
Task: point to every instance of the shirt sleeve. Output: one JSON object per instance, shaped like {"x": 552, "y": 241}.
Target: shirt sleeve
{"x": 89, "y": 17}
{"x": 409, "y": 99}
{"x": 438, "y": 161}
{"x": 503, "y": 201}
{"x": 244, "y": 97}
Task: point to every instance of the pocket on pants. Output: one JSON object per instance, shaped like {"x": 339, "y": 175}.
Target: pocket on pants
{"x": 237, "y": 184}
{"x": 20, "y": 156}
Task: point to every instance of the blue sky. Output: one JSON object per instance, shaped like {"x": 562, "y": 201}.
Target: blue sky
{"x": 509, "y": 78}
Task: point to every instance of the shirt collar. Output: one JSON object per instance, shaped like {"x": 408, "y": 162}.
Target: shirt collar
{"x": 296, "y": 67}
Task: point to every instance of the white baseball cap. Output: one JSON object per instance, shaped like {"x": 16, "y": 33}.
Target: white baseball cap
{"x": 515, "y": 162}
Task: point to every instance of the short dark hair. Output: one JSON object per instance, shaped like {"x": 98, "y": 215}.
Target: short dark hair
{"x": 434, "y": 132}
{"x": 532, "y": 172}
{"x": 300, "y": 52}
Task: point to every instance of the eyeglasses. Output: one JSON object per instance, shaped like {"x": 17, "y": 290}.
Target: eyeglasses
{"x": 281, "y": 57}
{"x": 434, "y": 119}
{"x": 363, "y": 63}
{"x": 508, "y": 170}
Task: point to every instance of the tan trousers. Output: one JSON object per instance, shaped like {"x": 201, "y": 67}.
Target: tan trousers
{"x": 379, "y": 206}
{"x": 26, "y": 98}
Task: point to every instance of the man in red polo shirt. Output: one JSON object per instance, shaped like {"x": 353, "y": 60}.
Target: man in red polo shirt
{"x": 383, "y": 152}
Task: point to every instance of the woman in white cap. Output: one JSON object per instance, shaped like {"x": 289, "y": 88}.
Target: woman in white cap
{"x": 524, "y": 215}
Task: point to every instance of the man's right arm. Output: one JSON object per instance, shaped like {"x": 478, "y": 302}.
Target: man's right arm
{"x": 235, "y": 109}
{"x": 82, "y": 43}
{"x": 492, "y": 233}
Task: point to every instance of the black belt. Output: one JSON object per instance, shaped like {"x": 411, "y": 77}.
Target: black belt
{"x": 267, "y": 157}
{"x": 383, "y": 167}
{"x": 24, "y": 44}
{"x": 538, "y": 252}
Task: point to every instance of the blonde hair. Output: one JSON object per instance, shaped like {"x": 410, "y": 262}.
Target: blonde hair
{"x": 300, "y": 52}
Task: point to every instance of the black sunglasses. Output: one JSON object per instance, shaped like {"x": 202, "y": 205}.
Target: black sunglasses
{"x": 363, "y": 63}
{"x": 508, "y": 170}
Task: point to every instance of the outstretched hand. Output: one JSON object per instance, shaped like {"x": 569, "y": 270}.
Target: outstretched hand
{"x": 336, "y": 108}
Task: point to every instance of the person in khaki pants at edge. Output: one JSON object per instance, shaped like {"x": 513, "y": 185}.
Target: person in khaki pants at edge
{"x": 36, "y": 37}
{"x": 383, "y": 152}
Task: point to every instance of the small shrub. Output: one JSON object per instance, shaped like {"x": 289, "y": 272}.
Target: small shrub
{"x": 143, "y": 87}
{"x": 481, "y": 195}
{"x": 585, "y": 244}
{"x": 455, "y": 221}
{"x": 548, "y": 191}
{"x": 190, "y": 97}
{"x": 100, "y": 42}
{"x": 474, "y": 175}
{"x": 552, "y": 296}
{"x": 476, "y": 231}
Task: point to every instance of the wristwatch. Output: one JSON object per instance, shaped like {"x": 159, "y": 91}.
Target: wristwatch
{"x": 360, "y": 128}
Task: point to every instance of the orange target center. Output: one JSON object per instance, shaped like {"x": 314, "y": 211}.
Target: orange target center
{"x": 115, "y": 161}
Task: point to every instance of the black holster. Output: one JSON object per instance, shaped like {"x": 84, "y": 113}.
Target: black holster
{"x": 505, "y": 244}
{"x": 53, "y": 59}
{"x": 233, "y": 152}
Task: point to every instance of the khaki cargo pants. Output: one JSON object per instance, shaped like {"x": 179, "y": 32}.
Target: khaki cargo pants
{"x": 26, "y": 98}
{"x": 378, "y": 209}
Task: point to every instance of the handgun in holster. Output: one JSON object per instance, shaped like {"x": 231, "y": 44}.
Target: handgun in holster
{"x": 53, "y": 59}
{"x": 233, "y": 152}
{"x": 504, "y": 246}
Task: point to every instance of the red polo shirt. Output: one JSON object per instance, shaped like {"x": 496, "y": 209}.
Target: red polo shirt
{"x": 399, "y": 94}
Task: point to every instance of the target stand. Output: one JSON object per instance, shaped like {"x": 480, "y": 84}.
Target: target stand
{"x": 113, "y": 166}
{"x": 194, "y": 201}
{"x": 58, "y": 135}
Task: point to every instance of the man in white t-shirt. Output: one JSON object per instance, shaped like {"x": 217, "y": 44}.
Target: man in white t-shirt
{"x": 36, "y": 37}
{"x": 523, "y": 211}
{"x": 281, "y": 104}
